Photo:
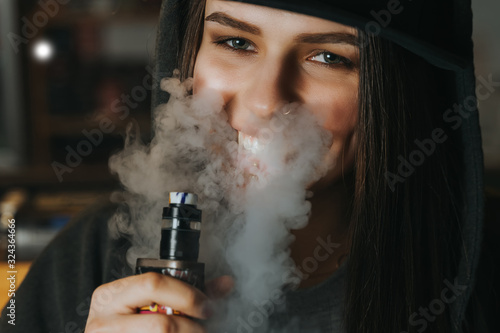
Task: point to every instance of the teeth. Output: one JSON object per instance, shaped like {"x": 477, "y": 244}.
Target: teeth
{"x": 249, "y": 143}
{"x": 250, "y": 161}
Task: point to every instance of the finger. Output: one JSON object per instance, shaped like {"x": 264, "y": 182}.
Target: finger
{"x": 151, "y": 323}
{"x": 219, "y": 287}
{"x": 144, "y": 289}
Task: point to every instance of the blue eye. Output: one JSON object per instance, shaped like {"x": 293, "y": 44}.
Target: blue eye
{"x": 235, "y": 44}
{"x": 238, "y": 43}
{"x": 331, "y": 59}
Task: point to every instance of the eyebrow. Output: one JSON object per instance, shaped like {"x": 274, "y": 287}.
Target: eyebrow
{"x": 309, "y": 38}
{"x": 228, "y": 21}
{"x": 328, "y": 38}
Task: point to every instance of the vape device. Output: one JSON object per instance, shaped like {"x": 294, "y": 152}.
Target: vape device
{"x": 179, "y": 247}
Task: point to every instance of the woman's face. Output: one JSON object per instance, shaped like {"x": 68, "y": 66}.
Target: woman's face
{"x": 259, "y": 58}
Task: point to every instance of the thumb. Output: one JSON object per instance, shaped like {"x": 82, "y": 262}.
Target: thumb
{"x": 219, "y": 287}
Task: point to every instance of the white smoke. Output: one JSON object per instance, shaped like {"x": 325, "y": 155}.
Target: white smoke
{"x": 250, "y": 198}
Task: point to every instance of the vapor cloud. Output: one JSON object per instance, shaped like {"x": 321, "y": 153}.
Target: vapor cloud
{"x": 250, "y": 198}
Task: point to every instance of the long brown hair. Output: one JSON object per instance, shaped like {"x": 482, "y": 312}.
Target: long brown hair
{"x": 404, "y": 238}
{"x": 193, "y": 27}
{"x": 404, "y": 234}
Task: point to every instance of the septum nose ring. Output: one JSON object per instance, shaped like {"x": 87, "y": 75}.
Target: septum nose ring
{"x": 286, "y": 111}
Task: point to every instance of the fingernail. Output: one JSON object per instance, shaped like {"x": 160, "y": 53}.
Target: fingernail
{"x": 208, "y": 309}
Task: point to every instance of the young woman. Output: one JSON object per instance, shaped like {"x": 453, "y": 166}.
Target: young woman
{"x": 393, "y": 83}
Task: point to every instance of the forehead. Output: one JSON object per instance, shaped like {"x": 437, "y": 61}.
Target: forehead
{"x": 267, "y": 17}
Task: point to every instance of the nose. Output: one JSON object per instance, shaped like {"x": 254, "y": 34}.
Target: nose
{"x": 269, "y": 87}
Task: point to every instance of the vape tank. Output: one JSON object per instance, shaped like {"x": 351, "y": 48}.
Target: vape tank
{"x": 179, "y": 247}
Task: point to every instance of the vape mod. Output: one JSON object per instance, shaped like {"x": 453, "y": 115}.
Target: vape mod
{"x": 179, "y": 247}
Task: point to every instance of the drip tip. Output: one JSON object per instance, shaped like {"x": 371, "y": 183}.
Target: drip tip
{"x": 183, "y": 198}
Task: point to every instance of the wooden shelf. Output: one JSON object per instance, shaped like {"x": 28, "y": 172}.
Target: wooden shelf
{"x": 73, "y": 17}
{"x": 72, "y": 14}
{"x": 74, "y": 125}
{"x": 45, "y": 176}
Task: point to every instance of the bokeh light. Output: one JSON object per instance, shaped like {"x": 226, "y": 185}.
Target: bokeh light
{"x": 43, "y": 50}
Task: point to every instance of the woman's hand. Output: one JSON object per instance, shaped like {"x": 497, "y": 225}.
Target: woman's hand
{"x": 114, "y": 305}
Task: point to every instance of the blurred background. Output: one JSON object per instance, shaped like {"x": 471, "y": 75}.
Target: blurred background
{"x": 74, "y": 73}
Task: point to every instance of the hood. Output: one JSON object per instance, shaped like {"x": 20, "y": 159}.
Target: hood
{"x": 438, "y": 31}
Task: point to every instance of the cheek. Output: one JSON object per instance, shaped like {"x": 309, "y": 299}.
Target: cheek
{"x": 341, "y": 122}
{"x": 336, "y": 105}
{"x": 202, "y": 73}
{"x": 337, "y": 108}
{"x": 213, "y": 73}
{"x": 210, "y": 73}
